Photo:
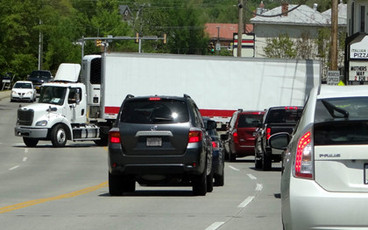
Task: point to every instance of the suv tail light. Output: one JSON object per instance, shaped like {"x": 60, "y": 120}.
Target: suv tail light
{"x": 268, "y": 133}
{"x": 195, "y": 136}
{"x": 235, "y": 136}
{"x": 304, "y": 157}
{"x": 114, "y": 137}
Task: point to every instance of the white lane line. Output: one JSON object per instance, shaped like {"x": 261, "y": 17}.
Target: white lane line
{"x": 25, "y": 159}
{"x": 246, "y": 202}
{"x": 252, "y": 177}
{"x": 215, "y": 226}
{"x": 233, "y": 168}
{"x": 26, "y": 150}
{"x": 259, "y": 187}
{"x": 12, "y": 168}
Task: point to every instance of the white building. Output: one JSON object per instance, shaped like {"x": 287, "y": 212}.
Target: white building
{"x": 294, "y": 21}
{"x": 357, "y": 11}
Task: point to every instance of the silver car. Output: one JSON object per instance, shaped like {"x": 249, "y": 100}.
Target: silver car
{"x": 324, "y": 182}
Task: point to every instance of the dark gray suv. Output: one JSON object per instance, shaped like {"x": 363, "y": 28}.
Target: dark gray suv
{"x": 159, "y": 140}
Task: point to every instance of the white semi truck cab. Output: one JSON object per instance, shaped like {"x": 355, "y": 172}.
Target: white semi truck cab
{"x": 60, "y": 114}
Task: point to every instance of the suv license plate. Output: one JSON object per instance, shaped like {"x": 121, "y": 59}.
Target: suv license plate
{"x": 154, "y": 141}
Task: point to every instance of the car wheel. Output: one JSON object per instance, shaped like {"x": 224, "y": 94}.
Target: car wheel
{"x": 128, "y": 184}
{"x": 199, "y": 184}
{"x": 115, "y": 185}
{"x": 30, "y": 142}
{"x": 232, "y": 156}
{"x": 58, "y": 136}
{"x": 266, "y": 161}
{"x": 219, "y": 179}
{"x": 210, "y": 182}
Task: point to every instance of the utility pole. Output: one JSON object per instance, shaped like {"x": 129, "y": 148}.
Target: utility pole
{"x": 240, "y": 27}
{"x": 40, "y": 47}
{"x": 334, "y": 31}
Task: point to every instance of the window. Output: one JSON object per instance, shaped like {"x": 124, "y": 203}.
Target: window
{"x": 362, "y": 18}
{"x": 249, "y": 120}
{"x": 164, "y": 111}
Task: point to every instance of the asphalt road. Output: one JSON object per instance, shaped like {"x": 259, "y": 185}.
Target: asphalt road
{"x": 65, "y": 188}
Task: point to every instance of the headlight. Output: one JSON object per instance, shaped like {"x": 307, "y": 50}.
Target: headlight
{"x": 41, "y": 123}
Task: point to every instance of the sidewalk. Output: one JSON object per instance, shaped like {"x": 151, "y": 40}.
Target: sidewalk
{"x": 4, "y": 94}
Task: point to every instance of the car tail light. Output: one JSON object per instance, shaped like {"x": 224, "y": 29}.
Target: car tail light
{"x": 268, "y": 133}
{"x": 235, "y": 137}
{"x": 215, "y": 145}
{"x": 303, "y": 161}
{"x": 114, "y": 137}
{"x": 195, "y": 136}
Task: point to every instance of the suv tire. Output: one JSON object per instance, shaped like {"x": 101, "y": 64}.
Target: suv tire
{"x": 199, "y": 184}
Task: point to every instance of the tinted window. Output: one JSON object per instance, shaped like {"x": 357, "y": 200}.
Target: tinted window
{"x": 341, "y": 133}
{"x": 144, "y": 111}
{"x": 249, "y": 120}
{"x": 341, "y": 108}
{"x": 23, "y": 85}
{"x": 284, "y": 115}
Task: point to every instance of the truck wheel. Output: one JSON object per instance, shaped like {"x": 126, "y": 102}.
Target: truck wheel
{"x": 199, "y": 184}
{"x": 103, "y": 140}
{"x": 58, "y": 136}
{"x": 115, "y": 185}
{"x": 266, "y": 161}
{"x": 30, "y": 142}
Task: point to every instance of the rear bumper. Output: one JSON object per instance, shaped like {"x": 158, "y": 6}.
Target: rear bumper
{"x": 309, "y": 206}
{"x": 191, "y": 162}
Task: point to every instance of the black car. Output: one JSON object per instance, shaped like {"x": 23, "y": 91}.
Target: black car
{"x": 218, "y": 152}
{"x": 158, "y": 140}
{"x": 38, "y": 77}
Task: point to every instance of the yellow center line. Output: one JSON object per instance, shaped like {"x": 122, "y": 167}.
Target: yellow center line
{"x": 43, "y": 200}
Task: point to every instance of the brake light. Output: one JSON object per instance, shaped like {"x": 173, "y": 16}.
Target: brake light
{"x": 235, "y": 137}
{"x": 154, "y": 99}
{"x": 214, "y": 145}
{"x": 291, "y": 107}
{"x": 268, "y": 133}
{"x": 195, "y": 136}
{"x": 303, "y": 161}
{"x": 114, "y": 137}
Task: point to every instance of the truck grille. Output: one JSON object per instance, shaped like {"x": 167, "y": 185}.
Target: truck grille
{"x": 25, "y": 117}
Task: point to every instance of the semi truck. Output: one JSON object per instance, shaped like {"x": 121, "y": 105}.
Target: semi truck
{"x": 91, "y": 94}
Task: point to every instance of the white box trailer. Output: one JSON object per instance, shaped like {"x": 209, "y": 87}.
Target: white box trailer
{"x": 219, "y": 85}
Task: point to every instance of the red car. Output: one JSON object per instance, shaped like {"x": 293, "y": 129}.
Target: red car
{"x": 240, "y": 136}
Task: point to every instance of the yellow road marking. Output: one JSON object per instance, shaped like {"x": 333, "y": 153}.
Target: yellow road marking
{"x": 43, "y": 200}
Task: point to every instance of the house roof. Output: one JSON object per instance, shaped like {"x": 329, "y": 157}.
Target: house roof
{"x": 226, "y": 30}
{"x": 302, "y": 15}
{"x": 342, "y": 14}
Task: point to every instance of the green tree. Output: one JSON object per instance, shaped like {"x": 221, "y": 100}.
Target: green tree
{"x": 280, "y": 47}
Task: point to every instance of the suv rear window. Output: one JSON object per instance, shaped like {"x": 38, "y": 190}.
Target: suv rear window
{"x": 160, "y": 111}
{"x": 284, "y": 116}
{"x": 249, "y": 120}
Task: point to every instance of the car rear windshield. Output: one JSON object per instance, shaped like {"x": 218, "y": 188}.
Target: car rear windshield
{"x": 249, "y": 120}
{"x": 284, "y": 116}
{"x": 341, "y": 133}
{"x": 352, "y": 108}
{"x": 157, "y": 111}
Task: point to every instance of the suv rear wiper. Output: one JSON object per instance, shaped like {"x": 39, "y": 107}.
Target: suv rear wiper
{"x": 331, "y": 109}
